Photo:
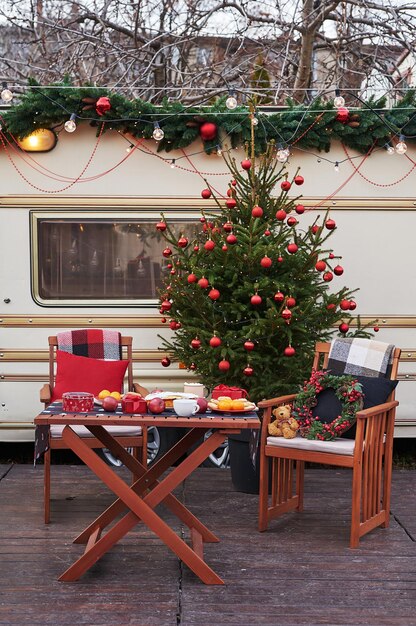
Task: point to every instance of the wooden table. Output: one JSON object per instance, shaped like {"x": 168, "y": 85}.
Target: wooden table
{"x": 149, "y": 489}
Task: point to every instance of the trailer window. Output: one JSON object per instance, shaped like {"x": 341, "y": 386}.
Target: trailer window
{"x": 100, "y": 260}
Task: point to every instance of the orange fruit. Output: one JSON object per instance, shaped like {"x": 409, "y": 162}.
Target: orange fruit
{"x": 116, "y": 395}
{"x": 103, "y": 394}
{"x": 237, "y": 405}
{"x": 225, "y": 405}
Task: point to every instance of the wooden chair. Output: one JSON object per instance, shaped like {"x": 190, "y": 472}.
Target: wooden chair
{"x": 135, "y": 438}
{"x": 369, "y": 456}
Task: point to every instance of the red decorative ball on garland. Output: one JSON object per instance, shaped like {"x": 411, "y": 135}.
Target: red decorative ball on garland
{"x": 266, "y": 262}
{"x": 342, "y": 115}
{"x": 214, "y": 294}
{"x": 338, "y": 270}
{"x": 196, "y": 343}
{"x": 208, "y": 131}
{"x": 328, "y": 276}
{"x": 344, "y": 305}
{"x": 257, "y": 211}
{"x": 227, "y": 227}
{"x": 299, "y": 208}
{"x": 167, "y": 252}
{"x": 279, "y": 296}
{"x": 246, "y": 164}
{"x": 206, "y": 193}
{"x": 289, "y": 351}
{"x": 165, "y": 361}
{"x": 215, "y": 342}
{"x": 248, "y": 371}
{"x": 281, "y": 215}
{"x": 343, "y": 327}
{"x": 286, "y": 314}
{"x": 224, "y": 365}
{"x": 182, "y": 242}
{"x": 249, "y": 345}
{"x": 292, "y": 248}
{"x": 320, "y": 266}
{"x": 330, "y": 224}
{"x": 103, "y": 105}
{"x": 231, "y": 239}
{"x": 192, "y": 278}
{"x": 285, "y": 185}
{"x": 161, "y": 226}
{"x": 209, "y": 245}
{"x": 298, "y": 180}
{"x": 203, "y": 283}
{"x": 292, "y": 221}
{"x": 231, "y": 203}
{"x": 255, "y": 300}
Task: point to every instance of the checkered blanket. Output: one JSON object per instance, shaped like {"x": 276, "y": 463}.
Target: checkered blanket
{"x": 360, "y": 357}
{"x": 91, "y": 342}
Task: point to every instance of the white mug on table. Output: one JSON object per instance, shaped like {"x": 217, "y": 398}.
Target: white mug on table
{"x": 185, "y": 407}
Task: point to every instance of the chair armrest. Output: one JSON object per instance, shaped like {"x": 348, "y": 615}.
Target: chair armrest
{"x": 263, "y": 404}
{"x": 376, "y": 410}
{"x": 46, "y": 393}
{"x": 139, "y": 389}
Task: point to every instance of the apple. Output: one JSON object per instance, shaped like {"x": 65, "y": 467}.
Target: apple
{"x": 156, "y": 405}
{"x": 109, "y": 403}
{"x": 203, "y": 405}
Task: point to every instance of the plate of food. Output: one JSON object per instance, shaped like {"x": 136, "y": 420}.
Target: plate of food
{"x": 169, "y": 396}
{"x": 228, "y": 405}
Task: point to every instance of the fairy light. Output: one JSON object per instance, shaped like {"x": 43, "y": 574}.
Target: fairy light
{"x": 6, "y": 95}
{"x": 70, "y": 124}
{"x": 336, "y": 168}
{"x": 158, "y": 133}
{"x": 173, "y": 164}
{"x": 390, "y": 149}
{"x": 338, "y": 100}
{"x": 129, "y": 148}
{"x": 231, "y": 102}
{"x": 401, "y": 147}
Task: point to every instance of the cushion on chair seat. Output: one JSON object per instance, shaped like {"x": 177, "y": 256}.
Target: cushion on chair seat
{"x": 337, "y": 446}
{"x": 82, "y": 431}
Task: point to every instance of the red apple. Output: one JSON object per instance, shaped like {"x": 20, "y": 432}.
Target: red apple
{"x": 156, "y": 405}
{"x": 109, "y": 404}
{"x": 203, "y": 405}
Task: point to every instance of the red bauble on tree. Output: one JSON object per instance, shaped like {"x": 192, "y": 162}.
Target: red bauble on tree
{"x": 338, "y": 270}
{"x": 289, "y": 351}
{"x": 290, "y": 302}
{"x": 166, "y": 305}
{"x": 266, "y": 262}
{"x": 209, "y": 245}
{"x": 214, "y": 294}
{"x": 342, "y": 115}
{"x": 278, "y": 296}
{"x": 298, "y": 180}
{"x": 224, "y": 365}
{"x": 192, "y": 366}
{"x": 353, "y": 305}
{"x": 231, "y": 203}
{"x": 246, "y": 164}
{"x": 249, "y": 345}
{"x": 285, "y": 185}
{"x": 196, "y": 343}
{"x": 328, "y": 276}
{"x": 292, "y": 221}
{"x": 231, "y": 239}
{"x": 299, "y": 208}
{"x": 257, "y": 211}
{"x": 227, "y": 227}
{"x": 320, "y": 266}
{"x": 344, "y": 305}
{"x": 267, "y": 232}
{"x": 248, "y": 371}
{"x": 255, "y": 300}
{"x": 203, "y": 283}
{"x": 103, "y": 105}
{"x": 165, "y": 361}
{"x": 330, "y": 224}
{"x": 182, "y": 242}
{"x": 206, "y": 193}
{"x": 215, "y": 342}
{"x": 281, "y": 215}
{"x": 208, "y": 131}
{"x": 167, "y": 252}
{"x": 343, "y": 327}
{"x": 286, "y": 314}
{"x": 292, "y": 248}
{"x": 192, "y": 278}
{"x": 161, "y": 226}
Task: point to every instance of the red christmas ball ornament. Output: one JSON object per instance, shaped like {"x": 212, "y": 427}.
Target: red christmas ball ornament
{"x": 331, "y": 255}
{"x": 331, "y": 306}
{"x": 214, "y": 294}
{"x": 266, "y": 262}
{"x": 314, "y": 229}
{"x": 196, "y": 343}
{"x": 257, "y": 211}
{"x": 289, "y": 351}
{"x": 286, "y": 314}
{"x": 292, "y": 248}
{"x": 330, "y": 224}
{"x": 249, "y": 345}
{"x": 255, "y": 300}
{"x": 192, "y": 278}
{"x": 203, "y": 283}
{"x": 102, "y": 105}
{"x": 353, "y": 305}
{"x": 182, "y": 242}
{"x": 208, "y": 131}
{"x": 227, "y": 227}
{"x": 224, "y": 365}
{"x": 230, "y": 192}
{"x": 215, "y": 342}
{"x": 281, "y": 215}
{"x": 298, "y": 180}
{"x": 280, "y": 259}
{"x": 161, "y": 226}
{"x": 267, "y": 232}
{"x": 246, "y": 164}
{"x": 376, "y": 329}
{"x": 342, "y": 115}
{"x": 290, "y": 302}
{"x": 285, "y": 185}
{"x": 320, "y": 266}
{"x": 203, "y": 219}
{"x": 292, "y": 221}
{"x": 328, "y": 276}
{"x": 299, "y": 208}
{"x": 173, "y": 325}
{"x": 169, "y": 266}
{"x": 343, "y": 327}
{"x": 248, "y": 371}
{"x": 224, "y": 247}
{"x": 173, "y": 271}
{"x": 209, "y": 245}
{"x": 338, "y": 270}
{"x": 231, "y": 239}
{"x": 165, "y": 361}
{"x": 206, "y": 193}
{"x": 278, "y": 296}
{"x": 163, "y": 320}
{"x": 167, "y": 252}
{"x": 231, "y": 203}
{"x": 344, "y": 305}
{"x": 196, "y": 248}
{"x": 166, "y": 305}
{"x": 234, "y": 182}
{"x": 192, "y": 366}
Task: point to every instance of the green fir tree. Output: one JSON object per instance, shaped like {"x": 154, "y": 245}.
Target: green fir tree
{"x": 250, "y": 296}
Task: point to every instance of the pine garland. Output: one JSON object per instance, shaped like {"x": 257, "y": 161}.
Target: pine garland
{"x": 311, "y": 127}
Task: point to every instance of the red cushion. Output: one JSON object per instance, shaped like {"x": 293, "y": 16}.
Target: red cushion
{"x": 80, "y": 373}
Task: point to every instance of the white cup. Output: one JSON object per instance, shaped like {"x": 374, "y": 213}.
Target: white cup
{"x": 185, "y": 407}
{"x": 197, "y": 389}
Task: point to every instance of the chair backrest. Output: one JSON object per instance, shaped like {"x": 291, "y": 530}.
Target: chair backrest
{"x": 126, "y": 344}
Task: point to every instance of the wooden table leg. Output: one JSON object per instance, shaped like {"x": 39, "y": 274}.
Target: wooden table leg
{"x": 140, "y": 509}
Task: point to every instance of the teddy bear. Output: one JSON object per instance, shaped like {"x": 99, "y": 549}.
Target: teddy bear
{"x": 284, "y": 425}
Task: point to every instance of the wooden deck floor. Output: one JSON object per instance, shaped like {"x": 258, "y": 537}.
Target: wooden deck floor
{"x": 300, "y": 572}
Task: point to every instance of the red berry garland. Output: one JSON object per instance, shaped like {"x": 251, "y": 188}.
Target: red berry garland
{"x": 348, "y": 391}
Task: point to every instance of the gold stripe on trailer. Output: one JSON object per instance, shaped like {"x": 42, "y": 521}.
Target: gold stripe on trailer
{"x": 77, "y": 321}
{"x": 16, "y": 355}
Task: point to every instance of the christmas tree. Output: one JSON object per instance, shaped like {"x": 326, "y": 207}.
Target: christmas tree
{"x": 250, "y": 296}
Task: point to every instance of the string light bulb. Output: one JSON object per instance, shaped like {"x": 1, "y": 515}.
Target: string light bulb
{"x": 254, "y": 119}
{"x": 70, "y": 124}
{"x": 172, "y": 164}
{"x": 6, "y": 95}
{"x": 336, "y": 168}
{"x": 338, "y": 100}
{"x": 231, "y": 102}
{"x": 401, "y": 147}
{"x": 158, "y": 133}
{"x": 390, "y": 149}
{"x": 282, "y": 154}
{"x": 129, "y": 148}
{"x": 219, "y": 151}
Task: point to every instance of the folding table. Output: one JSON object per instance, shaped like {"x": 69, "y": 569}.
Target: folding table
{"x": 150, "y": 488}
